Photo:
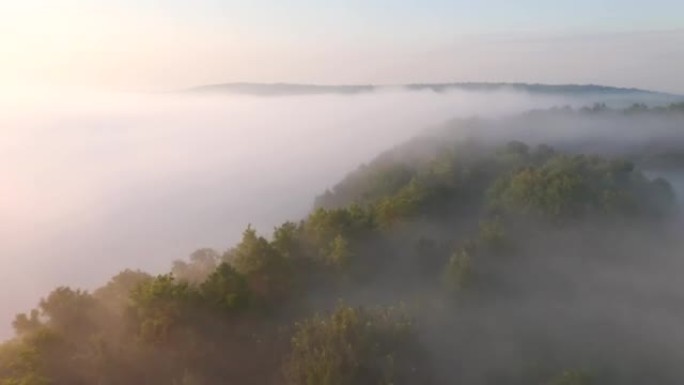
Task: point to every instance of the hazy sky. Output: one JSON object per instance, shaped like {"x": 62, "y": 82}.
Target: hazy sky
{"x": 166, "y": 44}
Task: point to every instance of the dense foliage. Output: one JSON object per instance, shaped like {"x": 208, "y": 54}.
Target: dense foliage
{"x": 470, "y": 236}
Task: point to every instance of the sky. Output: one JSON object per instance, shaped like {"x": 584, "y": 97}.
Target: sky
{"x": 153, "y": 45}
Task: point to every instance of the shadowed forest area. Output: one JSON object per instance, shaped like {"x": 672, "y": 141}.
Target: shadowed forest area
{"x": 543, "y": 248}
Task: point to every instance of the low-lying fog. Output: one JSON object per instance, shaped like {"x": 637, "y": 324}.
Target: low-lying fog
{"x": 93, "y": 184}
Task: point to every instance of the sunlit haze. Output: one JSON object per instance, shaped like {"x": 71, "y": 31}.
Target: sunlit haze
{"x": 341, "y": 192}
{"x": 155, "y": 45}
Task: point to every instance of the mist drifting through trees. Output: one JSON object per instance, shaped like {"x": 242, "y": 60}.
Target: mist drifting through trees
{"x": 518, "y": 247}
{"x": 96, "y": 183}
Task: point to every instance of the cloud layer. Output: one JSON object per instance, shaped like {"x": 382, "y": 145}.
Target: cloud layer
{"x": 96, "y": 183}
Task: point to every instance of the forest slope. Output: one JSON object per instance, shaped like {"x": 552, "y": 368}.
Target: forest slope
{"x": 447, "y": 260}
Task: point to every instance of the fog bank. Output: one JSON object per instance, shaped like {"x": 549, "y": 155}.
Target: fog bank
{"x": 96, "y": 183}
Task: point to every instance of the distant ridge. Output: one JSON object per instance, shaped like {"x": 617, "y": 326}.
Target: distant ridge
{"x": 285, "y": 89}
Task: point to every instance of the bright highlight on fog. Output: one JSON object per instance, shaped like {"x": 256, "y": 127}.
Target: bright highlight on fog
{"x": 95, "y": 183}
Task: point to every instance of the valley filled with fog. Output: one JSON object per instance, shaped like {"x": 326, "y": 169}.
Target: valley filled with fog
{"x": 341, "y": 193}
{"x": 484, "y": 236}
{"x": 95, "y": 183}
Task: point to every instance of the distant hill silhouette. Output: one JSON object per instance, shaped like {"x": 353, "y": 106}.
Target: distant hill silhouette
{"x": 286, "y": 89}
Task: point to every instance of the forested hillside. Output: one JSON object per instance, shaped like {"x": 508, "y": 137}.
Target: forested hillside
{"x": 451, "y": 259}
